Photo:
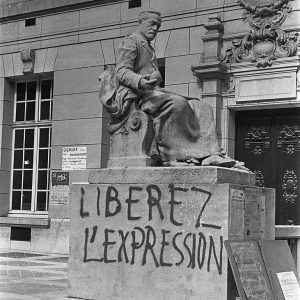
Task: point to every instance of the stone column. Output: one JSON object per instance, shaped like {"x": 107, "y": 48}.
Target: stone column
{"x": 210, "y": 70}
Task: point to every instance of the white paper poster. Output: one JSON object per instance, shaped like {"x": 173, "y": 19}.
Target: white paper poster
{"x": 60, "y": 188}
{"x": 74, "y": 158}
{"x": 289, "y": 284}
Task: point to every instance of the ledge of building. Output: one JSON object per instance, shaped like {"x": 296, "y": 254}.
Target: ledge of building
{"x": 284, "y": 231}
{"x": 24, "y": 222}
{"x": 160, "y": 175}
{"x": 25, "y": 9}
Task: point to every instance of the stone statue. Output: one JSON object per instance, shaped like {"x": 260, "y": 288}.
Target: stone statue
{"x": 178, "y": 130}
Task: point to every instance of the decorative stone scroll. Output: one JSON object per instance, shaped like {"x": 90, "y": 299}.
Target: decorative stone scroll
{"x": 288, "y": 139}
{"x": 265, "y": 42}
{"x": 27, "y": 57}
{"x": 290, "y": 186}
{"x": 257, "y": 140}
{"x": 260, "y": 180}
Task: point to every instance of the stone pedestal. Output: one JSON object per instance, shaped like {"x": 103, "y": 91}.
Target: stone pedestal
{"x": 158, "y": 233}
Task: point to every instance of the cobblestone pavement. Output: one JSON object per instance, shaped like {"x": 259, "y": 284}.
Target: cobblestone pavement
{"x": 33, "y": 276}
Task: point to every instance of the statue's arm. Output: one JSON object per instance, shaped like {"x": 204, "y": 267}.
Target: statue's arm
{"x": 125, "y": 64}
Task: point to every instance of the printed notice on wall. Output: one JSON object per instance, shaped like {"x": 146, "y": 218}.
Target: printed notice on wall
{"x": 237, "y": 203}
{"x": 74, "y": 158}
{"x": 59, "y": 188}
{"x": 289, "y": 284}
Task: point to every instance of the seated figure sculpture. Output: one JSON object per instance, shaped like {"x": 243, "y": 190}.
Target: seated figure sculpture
{"x": 181, "y": 129}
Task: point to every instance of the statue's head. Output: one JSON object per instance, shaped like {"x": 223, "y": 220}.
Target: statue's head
{"x": 149, "y": 23}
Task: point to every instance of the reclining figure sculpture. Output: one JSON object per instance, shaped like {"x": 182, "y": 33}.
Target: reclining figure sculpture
{"x": 150, "y": 125}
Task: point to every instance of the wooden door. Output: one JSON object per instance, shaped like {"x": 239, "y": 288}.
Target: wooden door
{"x": 268, "y": 141}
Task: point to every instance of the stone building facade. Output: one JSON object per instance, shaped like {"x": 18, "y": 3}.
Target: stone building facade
{"x": 241, "y": 57}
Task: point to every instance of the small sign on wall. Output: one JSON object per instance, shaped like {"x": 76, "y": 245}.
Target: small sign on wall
{"x": 263, "y": 269}
{"x": 74, "y": 158}
{"x": 60, "y": 188}
{"x": 289, "y": 285}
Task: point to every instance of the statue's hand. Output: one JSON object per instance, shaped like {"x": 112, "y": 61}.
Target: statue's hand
{"x": 146, "y": 83}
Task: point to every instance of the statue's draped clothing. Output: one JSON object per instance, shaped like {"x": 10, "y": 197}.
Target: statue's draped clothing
{"x": 183, "y": 129}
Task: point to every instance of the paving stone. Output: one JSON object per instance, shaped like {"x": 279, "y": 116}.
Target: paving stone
{"x": 38, "y": 274}
{"x": 29, "y": 288}
{"x": 21, "y": 263}
{"x": 60, "y": 269}
{"x": 32, "y": 276}
{"x": 19, "y": 254}
{"x": 57, "y": 259}
{"x": 14, "y": 273}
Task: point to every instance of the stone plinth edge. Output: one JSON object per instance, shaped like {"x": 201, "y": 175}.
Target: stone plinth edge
{"x": 210, "y": 175}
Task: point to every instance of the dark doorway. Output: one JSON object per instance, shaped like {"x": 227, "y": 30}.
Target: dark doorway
{"x": 268, "y": 141}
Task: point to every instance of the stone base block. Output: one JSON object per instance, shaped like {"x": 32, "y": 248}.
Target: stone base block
{"x": 52, "y": 240}
{"x": 158, "y": 175}
{"x": 137, "y": 237}
{"x": 122, "y": 162}
{"x": 47, "y": 236}
{"x": 4, "y": 237}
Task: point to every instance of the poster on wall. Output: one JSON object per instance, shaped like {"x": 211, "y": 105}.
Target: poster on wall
{"x": 289, "y": 285}
{"x": 74, "y": 158}
{"x": 60, "y": 188}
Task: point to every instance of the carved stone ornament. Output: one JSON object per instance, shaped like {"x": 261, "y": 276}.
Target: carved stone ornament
{"x": 27, "y": 57}
{"x": 290, "y": 186}
{"x": 288, "y": 139}
{"x": 134, "y": 123}
{"x": 257, "y": 140}
{"x": 229, "y": 87}
{"x": 259, "y": 179}
{"x": 266, "y": 41}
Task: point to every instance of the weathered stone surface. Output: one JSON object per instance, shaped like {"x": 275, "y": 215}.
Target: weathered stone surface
{"x": 264, "y": 85}
{"x": 178, "y": 6}
{"x": 9, "y": 31}
{"x": 182, "y": 63}
{"x": 4, "y": 201}
{"x": 161, "y": 42}
{"x": 6, "y": 111}
{"x": 39, "y": 62}
{"x": 5, "y": 136}
{"x": 18, "y": 64}
{"x": 82, "y": 135}
{"x": 84, "y": 105}
{"x": 181, "y": 89}
{"x": 53, "y": 240}
{"x": 4, "y": 237}
{"x": 60, "y": 22}
{"x": 50, "y": 59}
{"x": 30, "y": 31}
{"x": 108, "y": 51}
{"x": 76, "y": 80}
{"x": 159, "y": 234}
{"x": 178, "y": 42}
{"x": 8, "y": 65}
{"x": 79, "y": 56}
{"x": 1, "y": 70}
{"x": 126, "y": 151}
{"x": 156, "y": 175}
{"x": 24, "y": 222}
{"x": 196, "y": 43}
{"x": 100, "y": 15}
